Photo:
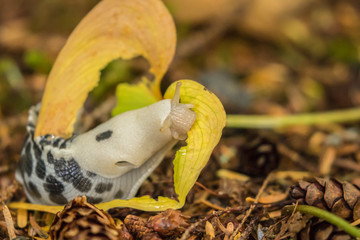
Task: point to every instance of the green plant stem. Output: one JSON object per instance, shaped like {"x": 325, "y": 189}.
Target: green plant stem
{"x": 255, "y": 121}
{"x": 327, "y": 216}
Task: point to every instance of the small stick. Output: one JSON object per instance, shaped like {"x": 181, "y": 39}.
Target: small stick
{"x": 201, "y": 221}
{"x": 207, "y": 189}
{"x": 252, "y": 207}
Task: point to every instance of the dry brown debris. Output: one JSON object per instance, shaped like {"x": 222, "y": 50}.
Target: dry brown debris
{"x": 268, "y": 74}
{"x": 82, "y": 221}
{"x": 138, "y": 227}
{"x": 303, "y": 226}
{"x": 9, "y": 221}
{"x": 168, "y": 223}
{"x": 340, "y": 197}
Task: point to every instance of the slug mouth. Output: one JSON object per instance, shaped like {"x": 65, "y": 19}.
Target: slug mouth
{"x": 125, "y": 164}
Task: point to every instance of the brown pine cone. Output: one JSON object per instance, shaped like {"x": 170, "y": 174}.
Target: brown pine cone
{"x": 323, "y": 230}
{"x": 138, "y": 227}
{"x": 340, "y": 198}
{"x": 81, "y": 220}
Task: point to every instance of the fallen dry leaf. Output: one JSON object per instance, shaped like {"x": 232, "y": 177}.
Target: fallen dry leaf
{"x": 9, "y": 221}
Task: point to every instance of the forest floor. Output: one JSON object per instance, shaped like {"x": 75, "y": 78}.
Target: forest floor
{"x": 259, "y": 58}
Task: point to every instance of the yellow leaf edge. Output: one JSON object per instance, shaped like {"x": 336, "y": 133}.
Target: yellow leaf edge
{"x": 189, "y": 160}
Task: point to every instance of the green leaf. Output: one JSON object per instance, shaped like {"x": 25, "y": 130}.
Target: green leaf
{"x": 132, "y": 96}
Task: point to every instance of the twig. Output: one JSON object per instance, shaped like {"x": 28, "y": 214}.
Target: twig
{"x": 250, "y": 227}
{"x": 37, "y": 228}
{"x": 347, "y": 164}
{"x": 271, "y": 229}
{"x": 261, "y": 190}
{"x": 201, "y": 221}
{"x": 286, "y": 226}
{"x": 207, "y": 189}
{"x": 295, "y": 157}
{"x": 214, "y": 206}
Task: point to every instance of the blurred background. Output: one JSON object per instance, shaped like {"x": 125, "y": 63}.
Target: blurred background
{"x": 258, "y": 56}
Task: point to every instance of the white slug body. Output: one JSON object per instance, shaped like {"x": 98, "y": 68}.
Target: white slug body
{"x": 124, "y": 142}
{"x": 110, "y": 161}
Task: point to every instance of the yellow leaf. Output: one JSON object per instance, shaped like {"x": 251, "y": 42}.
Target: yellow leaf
{"x": 189, "y": 160}
{"x": 35, "y": 207}
{"x": 113, "y": 29}
{"x": 22, "y": 218}
{"x": 145, "y": 203}
{"x": 202, "y": 137}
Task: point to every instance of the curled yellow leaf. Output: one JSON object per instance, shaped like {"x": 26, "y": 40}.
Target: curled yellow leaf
{"x": 113, "y": 29}
{"x": 192, "y": 158}
{"x": 202, "y": 137}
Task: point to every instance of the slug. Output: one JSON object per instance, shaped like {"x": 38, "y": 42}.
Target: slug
{"x": 110, "y": 161}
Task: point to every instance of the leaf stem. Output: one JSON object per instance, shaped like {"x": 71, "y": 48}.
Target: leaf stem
{"x": 327, "y": 216}
{"x": 256, "y": 121}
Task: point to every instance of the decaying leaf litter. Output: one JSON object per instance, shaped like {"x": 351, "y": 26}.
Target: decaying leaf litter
{"x": 297, "y": 58}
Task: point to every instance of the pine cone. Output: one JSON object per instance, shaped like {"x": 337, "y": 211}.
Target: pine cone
{"x": 138, "y": 227}
{"x": 81, "y": 220}
{"x": 340, "y": 198}
{"x": 323, "y": 230}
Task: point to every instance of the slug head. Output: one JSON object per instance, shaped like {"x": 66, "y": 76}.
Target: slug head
{"x": 181, "y": 117}
{"x": 128, "y": 140}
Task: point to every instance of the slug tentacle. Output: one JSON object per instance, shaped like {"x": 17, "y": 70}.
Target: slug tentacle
{"x": 181, "y": 117}
{"x": 110, "y": 161}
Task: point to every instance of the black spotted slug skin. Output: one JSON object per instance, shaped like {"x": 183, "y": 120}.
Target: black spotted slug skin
{"x": 98, "y": 163}
{"x": 52, "y": 180}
